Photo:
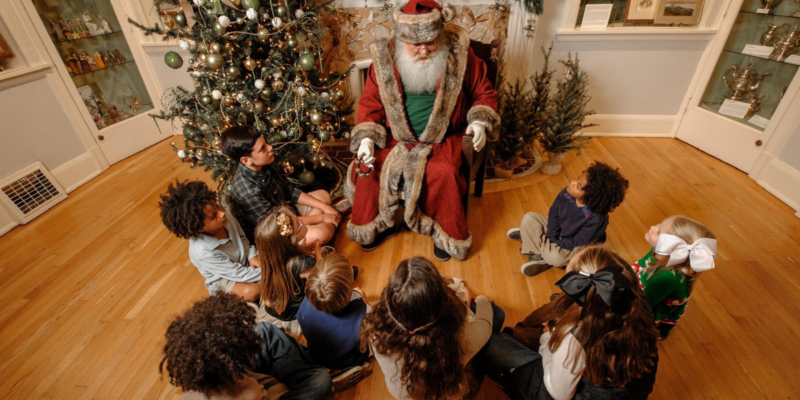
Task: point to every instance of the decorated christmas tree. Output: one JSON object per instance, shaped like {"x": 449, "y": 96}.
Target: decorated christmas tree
{"x": 566, "y": 112}
{"x": 254, "y": 63}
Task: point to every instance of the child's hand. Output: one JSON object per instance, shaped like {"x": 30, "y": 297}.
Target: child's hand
{"x": 317, "y": 252}
{"x": 546, "y": 327}
{"x": 331, "y": 219}
{"x": 308, "y": 247}
{"x": 255, "y": 262}
{"x": 330, "y": 210}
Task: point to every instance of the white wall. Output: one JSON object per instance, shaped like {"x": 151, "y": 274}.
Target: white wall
{"x": 790, "y": 154}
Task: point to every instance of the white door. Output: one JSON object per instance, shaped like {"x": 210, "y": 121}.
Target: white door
{"x": 723, "y": 122}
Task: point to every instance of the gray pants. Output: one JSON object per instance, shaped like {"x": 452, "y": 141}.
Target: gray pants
{"x": 533, "y": 229}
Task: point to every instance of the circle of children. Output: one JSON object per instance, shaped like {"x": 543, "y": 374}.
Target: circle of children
{"x": 271, "y": 282}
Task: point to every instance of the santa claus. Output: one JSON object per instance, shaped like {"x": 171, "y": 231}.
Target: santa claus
{"x": 425, "y": 90}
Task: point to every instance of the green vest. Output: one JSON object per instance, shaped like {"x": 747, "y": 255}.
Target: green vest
{"x": 419, "y": 108}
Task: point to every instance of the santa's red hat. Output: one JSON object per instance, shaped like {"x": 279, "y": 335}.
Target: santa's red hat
{"x": 421, "y": 21}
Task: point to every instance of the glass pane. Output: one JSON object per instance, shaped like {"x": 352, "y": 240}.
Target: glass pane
{"x": 617, "y": 12}
{"x": 90, "y": 42}
{"x": 752, "y": 33}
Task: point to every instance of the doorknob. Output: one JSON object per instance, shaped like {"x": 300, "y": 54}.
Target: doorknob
{"x": 759, "y": 143}
{"x": 101, "y": 137}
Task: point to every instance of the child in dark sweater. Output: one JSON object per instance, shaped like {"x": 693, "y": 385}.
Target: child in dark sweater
{"x": 578, "y": 217}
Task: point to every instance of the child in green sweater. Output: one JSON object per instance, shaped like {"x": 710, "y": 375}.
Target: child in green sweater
{"x": 682, "y": 248}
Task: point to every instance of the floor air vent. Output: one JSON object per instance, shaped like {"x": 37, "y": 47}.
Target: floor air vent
{"x": 30, "y": 192}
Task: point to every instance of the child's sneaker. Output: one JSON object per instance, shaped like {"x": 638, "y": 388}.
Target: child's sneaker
{"x": 346, "y": 378}
{"x": 343, "y": 206}
{"x": 514, "y": 234}
{"x": 535, "y": 265}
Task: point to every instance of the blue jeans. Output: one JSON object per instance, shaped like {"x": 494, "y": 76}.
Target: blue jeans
{"x": 289, "y": 362}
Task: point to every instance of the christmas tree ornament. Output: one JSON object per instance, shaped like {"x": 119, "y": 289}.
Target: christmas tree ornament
{"x": 324, "y": 135}
{"x": 277, "y": 84}
{"x": 281, "y": 11}
{"x": 299, "y": 13}
{"x": 340, "y": 94}
{"x": 218, "y": 29}
{"x": 260, "y": 84}
{"x": 263, "y": 34}
{"x": 287, "y": 167}
{"x": 306, "y": 177}
{"x": 200, "y": 153}
{"x": 251, "y": 4}
{"x": 274, "y": 139}
{"x": 240, "y": 20}
{"x": 267, "y": 94}
{"x": 224, "y": 21}
{"x": 258, "y": 107}
{"x": 252, "y": 15}
{"x": 214, "y": 61}
{"x": 249, "y": 64}
{"x": 216, "y": 94}
{"x": 306, "y": 61}
{"x": 301, "y": 91}
{"x": 202, "y": 47}
{"x": 202, "y": 57}
{"x": 206, "y": 100}
{"x": 294, "y": 131}
{"x": 198, "y": 85}
{"x": 184, "y": 45}
{"x": 180, "y": 19}
{"x": 277, "y": 22}
{"x": 292, "y": 43}
{"x": 216, "y": 142}
{"x": 315, "y": 144}
{"x": 316, "y": 117}
{"x": 215, "y": 48}
{"x": 277, "y": 74}
{"x": 283, "y": 134}
{"x": 182, "y": 154}
{"x": 173, "y": 60}
{"x": 233, "y": 71}
{"x": 275, "y": 121}
{"x": 236, "y": 3}
{"x": 241, "y": 97}
{"x": 229, "y": 100}
{"x": 199, "y": 2}
{"x": 324, "y": 96}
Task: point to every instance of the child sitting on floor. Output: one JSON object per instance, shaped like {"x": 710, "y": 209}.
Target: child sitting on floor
{"x": 682, "y": 248}
{"x": 280, "y": 240}
{"x": 217, "y": 245}
{"x": 330, "y": 317}
{"x": 578, "y": 217}
{"x": 213, "y": 352}
{"x": 257, "y": 188}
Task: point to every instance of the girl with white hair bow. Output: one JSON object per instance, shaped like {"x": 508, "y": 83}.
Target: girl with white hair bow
{"x": 682, "y": 248}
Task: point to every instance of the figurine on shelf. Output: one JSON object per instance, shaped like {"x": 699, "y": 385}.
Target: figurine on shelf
{"x": 742, "y": 81}
{"x": 99, "y": 60}
{"x": 106, "y": 26}
{"x": 64, "y": 30}
{"x": 87, "y": 19}
{"x": 769, "y": 5}
{"x": 787, "y": 43}
{"x": 769, "y": 37}
{"x": 57, "y": 35}
{"x": 82, "y": 28}
{"x": 73, "y": 31}
{"x": 796, "y": 13}
{"x": 113, "y": 113}
{"x": 135, "y": 103}
{"x": 106, "y": 59}
{"x": 118, "y": 57}
{"x": 756, "y": 103}
{"x": 89, "y": 60}
{"x": 74, "y": 62}
{"x": 84, "y": 60}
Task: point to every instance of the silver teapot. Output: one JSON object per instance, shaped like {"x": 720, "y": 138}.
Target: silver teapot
{"x": 769, "y": 5}
{"x": 742, "y": 81}
{"x": 786, "y": 44}
{"x": 756, "y": 103}
{"x": 769, "y": 37}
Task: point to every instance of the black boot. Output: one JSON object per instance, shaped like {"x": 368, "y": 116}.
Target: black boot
{"x": 380, "y": 238}
{"x": 440, "y": 254}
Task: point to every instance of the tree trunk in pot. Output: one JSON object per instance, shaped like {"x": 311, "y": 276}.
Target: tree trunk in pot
{"x": 553, "y": 165}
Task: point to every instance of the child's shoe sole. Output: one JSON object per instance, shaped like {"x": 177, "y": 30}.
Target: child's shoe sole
{"x": 514, "y": 234}
{"x": 348, "y": 379}
{"x": 533, "y": 268}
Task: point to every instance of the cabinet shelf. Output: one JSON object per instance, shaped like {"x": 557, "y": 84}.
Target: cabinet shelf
{"x": 759, "y": 57}
{"x": 796, "y": 17}
{"x": 102, "y": 69}
{"x": 89, "y": 37}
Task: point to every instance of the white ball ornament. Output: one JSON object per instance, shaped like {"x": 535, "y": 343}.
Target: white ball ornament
{"x": 260, "y": 84}
{"x": 195, "y": 74}
{"x": 277, "y": 74}
{"x": 199, "y": 2}
{"x": 185, "y": 45}
{"x": 324, "y": 96}
{"x": 240, "y": 97}
{"x": 224, "y": 21}
{"x": 182, "y": 154}
{"x": 252, "y": 14}
{"x": 277, "y": 22}
{"x": 301, "y": 91}
{"x": 299, "y": 13}
{"x": 216, "y": 94}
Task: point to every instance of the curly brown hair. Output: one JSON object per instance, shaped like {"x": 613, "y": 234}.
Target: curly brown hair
{"x": 182, "y": 207}
{"x": 605, "y": 188}
{"x": 208, "y": 347}
{"x": 420, "y": 320}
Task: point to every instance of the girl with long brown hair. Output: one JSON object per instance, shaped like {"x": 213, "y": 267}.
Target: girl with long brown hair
{"x": 603, "y": 346}
{"x": 682, "y": 249}
{"x": 422, "y": 334}
{"x": 285, "y": 265}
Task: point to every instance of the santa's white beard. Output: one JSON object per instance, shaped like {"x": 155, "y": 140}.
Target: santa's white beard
{"x": 418, "y": 75}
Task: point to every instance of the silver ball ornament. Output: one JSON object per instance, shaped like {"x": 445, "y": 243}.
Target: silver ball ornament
{"x": 277, "y": 22}
{"x": 216, "y": 94}
{"x": 277, "y": 74}
{"x": 299, "y": 13}
{"x": 260, "y": 84}
{"x": 252, "y": 14}
{"x": 324, "y": 96}
{"x": 185, "y": 45}
{"x": 224, "y": 21}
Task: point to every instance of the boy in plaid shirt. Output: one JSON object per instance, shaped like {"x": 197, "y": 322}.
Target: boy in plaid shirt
{"x": 257, "y": 188}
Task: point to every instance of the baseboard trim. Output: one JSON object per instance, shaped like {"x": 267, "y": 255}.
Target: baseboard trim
{"x": 8, "y": 228}
{"x": 613, "y": 125}
{"x": 74, "y": 173}
{"x": 778, "y": 174}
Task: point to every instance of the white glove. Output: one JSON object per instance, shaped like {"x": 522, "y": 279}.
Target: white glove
{"x": 366, "y": 151}
{"x": 478, "y": 131}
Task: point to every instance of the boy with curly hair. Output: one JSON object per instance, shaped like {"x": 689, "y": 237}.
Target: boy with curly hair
{"x": 578, "y": 217}
{"x": 216, "y": 351}
{"x": 217, "y": 245}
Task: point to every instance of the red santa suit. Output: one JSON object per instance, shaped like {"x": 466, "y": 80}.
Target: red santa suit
{"x": 428, "y": 169}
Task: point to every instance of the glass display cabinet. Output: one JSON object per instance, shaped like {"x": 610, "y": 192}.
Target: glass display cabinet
{"x": 757, "y": 64}
{"x": 89, "y": 40}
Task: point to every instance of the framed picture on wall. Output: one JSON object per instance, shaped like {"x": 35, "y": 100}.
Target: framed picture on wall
{"x": 640, "y": 11}
{"x": 685, "y": 12}
{"x": 5, "y": 49}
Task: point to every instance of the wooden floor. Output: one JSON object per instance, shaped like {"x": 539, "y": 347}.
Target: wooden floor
{"x": 90, "y": 286}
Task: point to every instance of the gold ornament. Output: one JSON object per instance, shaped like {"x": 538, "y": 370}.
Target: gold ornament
{"x": 287, "y": 167}
{"x": 249, "y": 64}
{"x": 276, "y": 122}
{"x": 315, "y": 144}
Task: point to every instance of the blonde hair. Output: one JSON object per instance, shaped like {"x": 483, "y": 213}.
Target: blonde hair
{"x": 278, "y": 286}
{"x": 330, "y": 284}
{"x": 689, "y": 230}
